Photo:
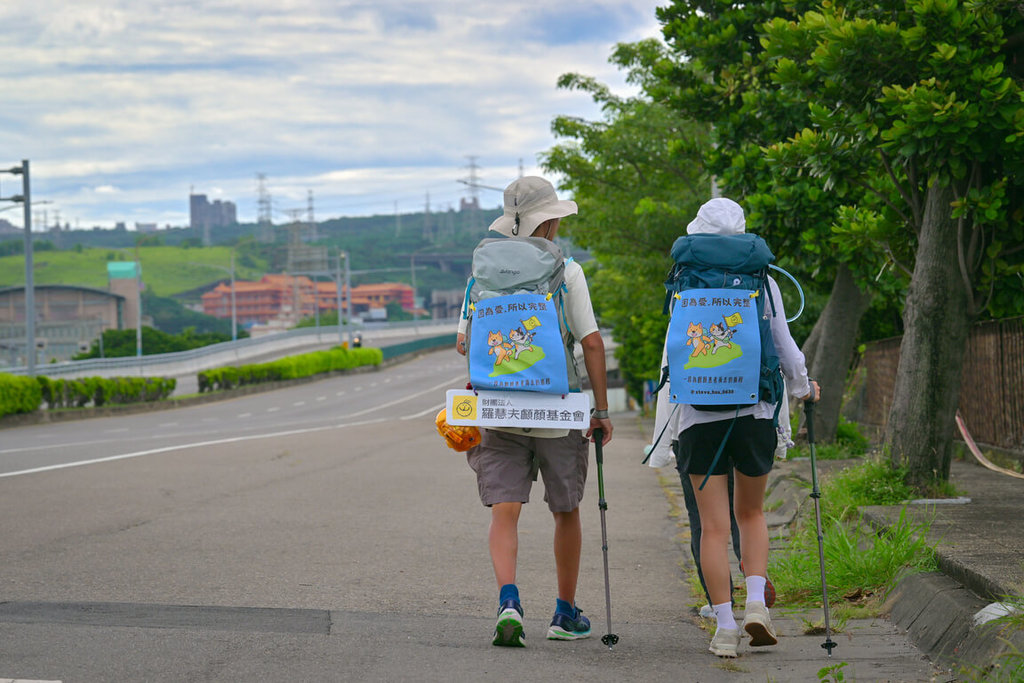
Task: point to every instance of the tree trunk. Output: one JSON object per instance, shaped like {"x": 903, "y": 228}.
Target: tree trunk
{"x": 832, "y": 349}
{"x": 936, "y": 323}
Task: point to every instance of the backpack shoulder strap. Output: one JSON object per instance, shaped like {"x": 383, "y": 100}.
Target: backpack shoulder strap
{"x": 467, "y": 306}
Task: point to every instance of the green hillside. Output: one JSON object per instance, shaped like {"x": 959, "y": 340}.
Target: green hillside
{"x": 165, "y": 270}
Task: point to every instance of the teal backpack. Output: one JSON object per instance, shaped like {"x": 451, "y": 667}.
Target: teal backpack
{"x": 720, "y": 349}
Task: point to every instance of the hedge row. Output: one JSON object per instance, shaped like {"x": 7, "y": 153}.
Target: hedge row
{"x": 98, "y": 391}
{"x": 27, "y": 394}
{"x": 292, "y": 367}
{"x": 18, "y": 394}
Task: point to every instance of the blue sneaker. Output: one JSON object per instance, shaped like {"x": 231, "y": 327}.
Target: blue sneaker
{"x": 508, "y": 632}
{"x": 564, "y": 627}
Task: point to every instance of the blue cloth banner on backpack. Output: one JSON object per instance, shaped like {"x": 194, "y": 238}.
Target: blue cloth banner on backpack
{"x": 714, "y": 347}
{"x": 517, "y": 345}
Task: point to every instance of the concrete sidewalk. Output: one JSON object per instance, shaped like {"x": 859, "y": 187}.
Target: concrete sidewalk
{"x": 980, "y": 552}
{"x": 866, "y": 649}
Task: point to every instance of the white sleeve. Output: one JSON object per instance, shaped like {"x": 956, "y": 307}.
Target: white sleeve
{"x": 791, "y": 358}
{"x": 666, "y": 424}
{"x": 578, "y": 310}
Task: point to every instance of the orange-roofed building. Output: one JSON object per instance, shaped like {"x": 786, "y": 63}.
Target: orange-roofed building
{"x": 280, "y": 296}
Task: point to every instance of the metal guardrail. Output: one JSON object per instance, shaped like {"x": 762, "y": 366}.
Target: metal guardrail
{"x": 394, "y": 350}
{"x": 134, "y": 365}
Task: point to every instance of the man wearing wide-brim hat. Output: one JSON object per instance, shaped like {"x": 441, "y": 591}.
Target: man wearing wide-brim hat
{"x": 505, "y": 458}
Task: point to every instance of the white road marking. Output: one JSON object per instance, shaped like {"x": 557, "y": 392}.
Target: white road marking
{"x": 238, "y": 439}
{"x": 168, "y": 424}
{"x": 273, "y": 409}
{"x": 299, "y": 403}
{"x": 245, "y": 415}
{"x": 433, "y": 409}
{"x": 185, "y": 446}
{"x": 321, "y": 398}
{"x": 115, "y": 431}
{"x": 339, "y": 393}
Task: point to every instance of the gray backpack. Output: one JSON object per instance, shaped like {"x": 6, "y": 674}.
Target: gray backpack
{"x": 509, "y": 266}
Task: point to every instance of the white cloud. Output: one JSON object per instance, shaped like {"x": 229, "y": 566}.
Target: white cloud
{"x": 365, "y": 103}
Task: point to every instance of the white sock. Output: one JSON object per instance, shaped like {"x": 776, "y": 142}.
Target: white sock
{"x": 723, "y": 613}
{"x": 755, "y": 589}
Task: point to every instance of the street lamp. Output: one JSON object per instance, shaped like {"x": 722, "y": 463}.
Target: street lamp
{"x": 343, "y": 327}
{"x": 25, "y": 198}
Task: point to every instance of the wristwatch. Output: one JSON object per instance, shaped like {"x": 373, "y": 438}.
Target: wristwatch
{"x": 599, "y": 414}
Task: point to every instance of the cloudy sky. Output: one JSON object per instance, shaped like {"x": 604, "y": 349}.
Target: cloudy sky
{"x": 125, "y": 106}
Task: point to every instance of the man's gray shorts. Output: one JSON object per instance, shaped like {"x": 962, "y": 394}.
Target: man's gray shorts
{"x": 505, "y": 468}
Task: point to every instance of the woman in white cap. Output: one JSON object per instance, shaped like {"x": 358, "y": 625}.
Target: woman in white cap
{"x": 503, "y": 461}
{"x": 748, "y": 441}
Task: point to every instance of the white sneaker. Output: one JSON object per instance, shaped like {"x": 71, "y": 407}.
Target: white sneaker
{"x": 725, "y": 642}
{"x": 758, "y": 624}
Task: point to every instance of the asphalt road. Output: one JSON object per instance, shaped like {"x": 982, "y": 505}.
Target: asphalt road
{"x": 323, "y": 532}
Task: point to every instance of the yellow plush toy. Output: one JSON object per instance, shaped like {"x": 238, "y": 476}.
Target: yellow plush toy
{"x": 460, "y": 438}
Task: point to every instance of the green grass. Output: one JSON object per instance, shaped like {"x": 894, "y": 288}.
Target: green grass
{"x": 165, "y": 270}
{"x": 872, "y": 482}
{"x": 858, "y": 562}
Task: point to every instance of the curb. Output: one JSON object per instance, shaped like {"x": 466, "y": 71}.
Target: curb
{"x": 938, "y": 614}
{"x": 936, "y": 609}
{"x": 879, "y": 519}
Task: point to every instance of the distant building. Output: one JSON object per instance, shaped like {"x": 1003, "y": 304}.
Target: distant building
{"x": 204, "y": 215}
{"x": 145, "y": 227}
{"x": 293, "y": 298}
{"x": 68, "y": 320}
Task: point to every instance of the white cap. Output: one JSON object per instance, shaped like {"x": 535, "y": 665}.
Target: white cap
{"x": 719, "y": 216}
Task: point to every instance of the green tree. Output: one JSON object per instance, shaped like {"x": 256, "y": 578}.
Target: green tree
{"x": 922, "y": 97}
{"x": 120, "y": 343}
{"x": 638, "y": 181}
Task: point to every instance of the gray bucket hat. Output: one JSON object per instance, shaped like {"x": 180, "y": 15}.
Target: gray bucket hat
{"x": 530, "y": 201}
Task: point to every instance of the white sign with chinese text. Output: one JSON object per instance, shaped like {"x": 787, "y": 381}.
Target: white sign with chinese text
{"x": 517, "y": 409}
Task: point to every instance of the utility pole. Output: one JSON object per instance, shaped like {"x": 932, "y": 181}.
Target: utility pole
{"x": 343, "y": 327}
{"x": 138, "y": 294}
{"x": 234, "y": 313}
{"x": 415, "y": 315}
{"x": 30, "y": 286}
{"x": 25, "y": 198}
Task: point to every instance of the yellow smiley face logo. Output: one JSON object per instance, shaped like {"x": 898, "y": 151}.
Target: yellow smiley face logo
{"x": 465, "y": 407}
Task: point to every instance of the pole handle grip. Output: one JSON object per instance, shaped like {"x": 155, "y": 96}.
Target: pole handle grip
{"x": 809, "y": 412}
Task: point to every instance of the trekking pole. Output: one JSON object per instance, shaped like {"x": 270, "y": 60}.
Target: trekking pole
{"x": 609, "y": 638}
{"x": 829, "y": 644}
